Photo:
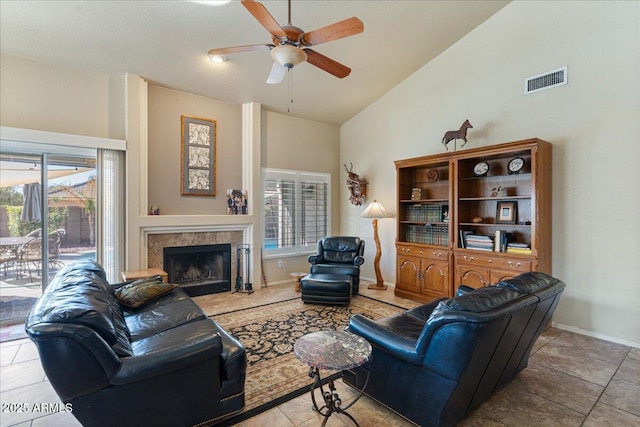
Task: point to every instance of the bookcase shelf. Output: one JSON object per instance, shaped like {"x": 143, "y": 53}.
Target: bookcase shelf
{"x": 439, "y": 201}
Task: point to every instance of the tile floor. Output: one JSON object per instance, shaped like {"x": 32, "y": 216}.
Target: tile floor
{"x": 571, "y": 380}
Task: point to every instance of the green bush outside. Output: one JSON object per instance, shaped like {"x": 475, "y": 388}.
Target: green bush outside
{"x": 17, "y": 227}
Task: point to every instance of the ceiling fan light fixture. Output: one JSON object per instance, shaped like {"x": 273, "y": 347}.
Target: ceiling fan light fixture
{"x": 217, "y": 59}
{"x": 288, "y": 56}
{"x": 212, "y": 2}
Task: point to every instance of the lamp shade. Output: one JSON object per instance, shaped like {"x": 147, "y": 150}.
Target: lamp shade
{"x": 288, "y": 56}
{"x": 375, "y": 210}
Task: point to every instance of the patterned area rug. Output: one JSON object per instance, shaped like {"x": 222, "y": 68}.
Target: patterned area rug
{"x": 274, "y": 374}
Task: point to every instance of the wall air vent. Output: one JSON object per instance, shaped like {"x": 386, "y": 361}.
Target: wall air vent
{"x": 545, "y": 80}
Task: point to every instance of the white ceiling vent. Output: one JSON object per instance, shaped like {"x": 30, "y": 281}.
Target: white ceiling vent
{"x": 545, "y": 80}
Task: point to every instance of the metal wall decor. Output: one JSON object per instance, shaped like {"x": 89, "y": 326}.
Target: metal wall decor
{"x": 454, "y": 135}
{"x": 198, "y": 157}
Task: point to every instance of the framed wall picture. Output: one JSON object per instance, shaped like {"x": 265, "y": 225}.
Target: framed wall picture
{"x": 198, "y": 157}
{"x": 507, "y": 212}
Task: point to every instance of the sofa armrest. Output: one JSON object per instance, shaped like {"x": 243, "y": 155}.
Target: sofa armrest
{"x": 358, "y": 260}
{"x": 389, "y": 342}
{"x": 315, "y": 259}
{"x": 169, "y": 359}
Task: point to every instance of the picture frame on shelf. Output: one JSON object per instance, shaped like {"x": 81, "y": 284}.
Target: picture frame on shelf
{"x": 198, "y": 156}
{"x": 506, "y": 212}
{"x": 237, "y": 202}
{"x": 416, "y": 193}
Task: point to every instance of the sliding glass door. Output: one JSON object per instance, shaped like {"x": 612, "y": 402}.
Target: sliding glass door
{"x": 48, "y": 209}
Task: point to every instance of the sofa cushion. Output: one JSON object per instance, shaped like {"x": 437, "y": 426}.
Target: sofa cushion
{"x": 161, "y": 315}
{"x": 141, "y": 292}
{"x": 190, "y": 333}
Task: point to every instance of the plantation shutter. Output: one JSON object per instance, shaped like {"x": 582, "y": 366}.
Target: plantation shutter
{"x": 314, "y": 199}
{"x": 296, "y": 211}
{"x": 279, "y": 210}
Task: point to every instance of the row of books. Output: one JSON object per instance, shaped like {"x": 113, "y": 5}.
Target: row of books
{"x": 428, "y": 235}
{"x": 478, "y": 242}
{"x": 427, "y": 213}
{"x": 499, "y": 242}
{"x": 518, "y": 248}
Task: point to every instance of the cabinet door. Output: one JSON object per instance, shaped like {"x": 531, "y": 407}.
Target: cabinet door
{"x": 472, "y": 276}
{"x": 500, "y": 275}
{"x": 435, "y": 278}
{"x": 408, "y": 274}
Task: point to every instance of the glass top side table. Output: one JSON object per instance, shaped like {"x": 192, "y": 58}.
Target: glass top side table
{"x": 332, "y": 350}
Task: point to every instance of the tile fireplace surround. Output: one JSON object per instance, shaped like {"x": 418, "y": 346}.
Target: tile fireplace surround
{"x": 157, "y": 242}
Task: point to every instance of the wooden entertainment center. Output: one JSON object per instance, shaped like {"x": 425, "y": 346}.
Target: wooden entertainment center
{"x": 472, "y": 217}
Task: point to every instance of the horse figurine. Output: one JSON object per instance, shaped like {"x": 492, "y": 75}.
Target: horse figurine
{"x": 457, "y": 134}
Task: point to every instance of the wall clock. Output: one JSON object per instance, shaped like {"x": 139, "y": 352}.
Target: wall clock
{"x": 481, "y": 169}
{"x": 515, "y": 165}
{"x": 432, "y": 175}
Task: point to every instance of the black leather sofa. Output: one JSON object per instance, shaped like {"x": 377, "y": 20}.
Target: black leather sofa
{"x": 340, "y": 255}
{"x": 164, "y": 363}
{"x": 437, "y": 362}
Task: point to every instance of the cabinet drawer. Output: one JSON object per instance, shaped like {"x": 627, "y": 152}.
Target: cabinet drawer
{"x": 516, "y": 264}
{"x": 423, "y": 252}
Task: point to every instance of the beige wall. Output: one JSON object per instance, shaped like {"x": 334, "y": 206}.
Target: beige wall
{"x": 54, "y": 98}
{"x": 165, "y": 108}
{"x": 292, "y": 143}
{"x": 593, "y": 123}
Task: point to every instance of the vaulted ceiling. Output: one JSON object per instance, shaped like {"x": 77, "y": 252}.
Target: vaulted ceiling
{"x": 166, "y": 42}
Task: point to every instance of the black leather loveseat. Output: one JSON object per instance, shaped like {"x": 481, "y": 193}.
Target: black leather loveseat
{"x": 437, "y": 362}
{"x": 162, "y": 364}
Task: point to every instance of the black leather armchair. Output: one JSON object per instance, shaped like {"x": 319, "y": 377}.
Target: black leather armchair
{"x": 339, "y": 255}
{"x": 437, "y": 362}
{"x": 164, "y": 363}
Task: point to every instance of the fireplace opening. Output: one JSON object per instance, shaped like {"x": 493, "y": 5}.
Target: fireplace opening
{"x": 199, "y": 270}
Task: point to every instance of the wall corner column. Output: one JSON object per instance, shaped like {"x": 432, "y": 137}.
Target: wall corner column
{"x": 136, "y": 128}
{"x": 252, "y": 182}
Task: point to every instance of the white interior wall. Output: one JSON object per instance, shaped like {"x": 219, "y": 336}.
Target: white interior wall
{"x": 592, "y": 122}
{"x": 54, "y": 98}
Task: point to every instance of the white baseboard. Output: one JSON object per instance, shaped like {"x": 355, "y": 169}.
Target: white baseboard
{"x": 595, "y": 335}
{"x": 281, "y": 282}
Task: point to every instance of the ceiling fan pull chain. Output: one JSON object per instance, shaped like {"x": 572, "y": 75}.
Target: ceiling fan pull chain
{"x": 290, "y": 88}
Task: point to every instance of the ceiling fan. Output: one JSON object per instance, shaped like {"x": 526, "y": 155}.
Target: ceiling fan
{"x": 290, "y": 45}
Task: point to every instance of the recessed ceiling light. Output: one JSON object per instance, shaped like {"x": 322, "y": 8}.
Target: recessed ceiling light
{"x": 217, "y": 59}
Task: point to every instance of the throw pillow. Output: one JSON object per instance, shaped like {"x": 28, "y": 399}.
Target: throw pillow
{"x": 137, "y": 294}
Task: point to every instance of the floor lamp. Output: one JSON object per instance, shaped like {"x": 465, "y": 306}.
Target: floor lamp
{"x": 376, "y": 211}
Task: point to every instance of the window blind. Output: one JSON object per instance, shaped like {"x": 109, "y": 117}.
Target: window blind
{"x": 296, "y": 211}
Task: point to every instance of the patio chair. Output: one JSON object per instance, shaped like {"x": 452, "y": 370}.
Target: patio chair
{"x": 30, "y": 254}
{"x": 8, "y": 258}
{"x": 30, "y": 257}
{"x": 55, "y": 239}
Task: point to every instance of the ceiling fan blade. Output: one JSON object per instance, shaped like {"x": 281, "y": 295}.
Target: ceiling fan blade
{"x": 238, "y": 49}
{"x": 327, "y": 64}
{"x": 277, "y": 74}
{"x": 264, "y": 17}
{"x": 336, "y": 31}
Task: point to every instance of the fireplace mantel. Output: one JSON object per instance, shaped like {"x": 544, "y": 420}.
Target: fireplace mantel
{"x": 180, "y": 222}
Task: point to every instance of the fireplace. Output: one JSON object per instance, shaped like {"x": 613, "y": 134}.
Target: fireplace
{"x": 201, "y": 269}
